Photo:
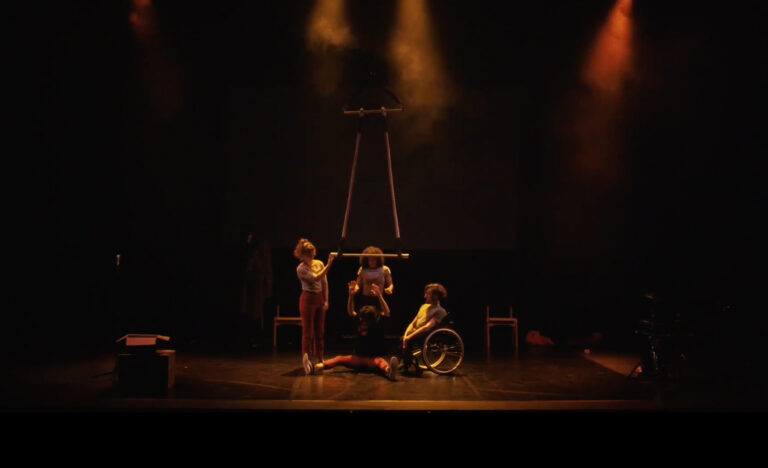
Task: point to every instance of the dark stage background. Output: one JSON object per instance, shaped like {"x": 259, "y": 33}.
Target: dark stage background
{"x": 168, "y": 147}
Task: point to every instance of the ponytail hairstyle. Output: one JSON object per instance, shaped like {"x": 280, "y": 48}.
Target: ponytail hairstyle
{"x": 304, "y": 248}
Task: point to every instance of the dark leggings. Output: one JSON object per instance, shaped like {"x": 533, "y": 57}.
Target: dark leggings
{"x": 413, "y": 345}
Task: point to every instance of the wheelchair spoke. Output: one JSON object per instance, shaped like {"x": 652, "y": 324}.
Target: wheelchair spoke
{"x": 443, "y": 351}
{"x": 438, "y": 361}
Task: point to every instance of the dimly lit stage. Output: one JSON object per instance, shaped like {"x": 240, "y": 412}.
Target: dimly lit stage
{"x": 538, "y": 379}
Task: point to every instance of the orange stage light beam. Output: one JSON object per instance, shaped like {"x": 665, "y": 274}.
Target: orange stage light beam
{"x": 422, "y": 81}
{"x": 328, "y": 26}
{"x": 142, "y": 19}
{"x": 328, "y": 34}
{"x": 610, "y": 59}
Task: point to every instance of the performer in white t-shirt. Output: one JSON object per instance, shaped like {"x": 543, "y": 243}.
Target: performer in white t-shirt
{"x": 372, "y": 271}
{"x": 313, "y": 302}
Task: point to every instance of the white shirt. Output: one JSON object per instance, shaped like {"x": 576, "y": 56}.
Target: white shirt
{"x": 307, "y": 277}
{"x": 368, "y": 276}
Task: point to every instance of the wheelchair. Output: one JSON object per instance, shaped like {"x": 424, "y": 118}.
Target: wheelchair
{"x": 441, "y": 352}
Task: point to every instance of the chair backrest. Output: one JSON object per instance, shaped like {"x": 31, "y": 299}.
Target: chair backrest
{"x": 488, "y": 313}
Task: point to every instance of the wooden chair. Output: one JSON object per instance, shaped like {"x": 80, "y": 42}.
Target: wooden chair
{"x": 509, "y": 321}
{"x": 282, "y": 321}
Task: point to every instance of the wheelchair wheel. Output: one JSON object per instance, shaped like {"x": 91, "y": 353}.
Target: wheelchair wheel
{"x": 443, "y": 351}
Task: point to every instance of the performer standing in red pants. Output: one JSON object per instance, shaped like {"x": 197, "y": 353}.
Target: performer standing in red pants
{"x": 313, "y": 302}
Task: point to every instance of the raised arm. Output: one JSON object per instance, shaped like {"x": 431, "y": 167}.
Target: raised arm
{"x": 377, "y": 292}
{"x": 351, "y": 299}
{"x": 359, "y": 280}
{"x": 308, "y": 275}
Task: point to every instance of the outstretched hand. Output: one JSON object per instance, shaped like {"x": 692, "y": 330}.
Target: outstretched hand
{"x": 331, "y": 256}
{"x": 375, "y": 290}
{"x": 352, "y": 285}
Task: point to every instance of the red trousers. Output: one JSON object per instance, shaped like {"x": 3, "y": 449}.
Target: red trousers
{"x": 357, "y": 362}
{"x": 312, "y": 323}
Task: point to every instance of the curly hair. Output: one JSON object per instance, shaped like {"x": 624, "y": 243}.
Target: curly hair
{"x": 438, "y": 289}
{"x": 372, "y": 250}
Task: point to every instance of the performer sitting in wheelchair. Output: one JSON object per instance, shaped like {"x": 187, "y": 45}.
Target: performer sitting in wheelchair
{"x": 370, "y": 344}
{"x": 430, "y": 314}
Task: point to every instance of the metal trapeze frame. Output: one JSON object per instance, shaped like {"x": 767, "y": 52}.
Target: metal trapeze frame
{"x": 361, "y": 113}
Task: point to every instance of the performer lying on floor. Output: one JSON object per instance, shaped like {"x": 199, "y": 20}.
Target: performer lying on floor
{"x": 369, "y": 346}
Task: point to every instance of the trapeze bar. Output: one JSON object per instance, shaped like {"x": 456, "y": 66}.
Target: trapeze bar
{"x": 345, "y": 254}
{"x": 381, "y": 110}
